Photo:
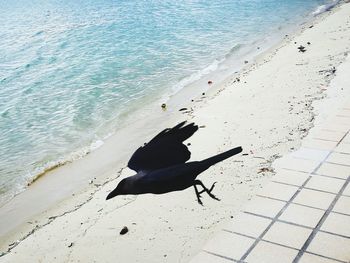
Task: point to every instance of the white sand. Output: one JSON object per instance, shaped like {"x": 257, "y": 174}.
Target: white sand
{"x": 267, "y": 112}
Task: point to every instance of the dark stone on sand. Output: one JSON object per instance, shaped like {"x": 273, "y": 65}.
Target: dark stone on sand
{"x": 301, "y": 49}
{"x": 189, "y": 144}
{"x": 182, "y": 109}
{"x": 203, "y": 93}
{"x": 163, "y": 106}
{"x": 308, "y": 43}
{"x": 210, "y": 82}
{"x": 124, "y": 230}
{"x": 311, "y": 26}
{"x": 71, "y": 244}
{"x": 246, "y": 62}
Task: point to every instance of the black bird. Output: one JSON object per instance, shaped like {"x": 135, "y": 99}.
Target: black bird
{"x": 161, "y": 165}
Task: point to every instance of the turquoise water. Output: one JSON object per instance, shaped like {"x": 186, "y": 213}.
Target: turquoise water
{"x": 69, "y": 70}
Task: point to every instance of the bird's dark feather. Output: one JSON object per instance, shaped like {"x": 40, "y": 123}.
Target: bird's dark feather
{"x": 164, "y": 150}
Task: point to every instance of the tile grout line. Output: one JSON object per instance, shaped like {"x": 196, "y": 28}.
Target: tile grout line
{"x": 221, "y": 256}
{"x": 320, "y": 223}
{"x": 328, "y": 176}
{"x": 274, "y": 243}
{"x": 296, "y": 224}
{"x": 307, "y": 188}
{"x": 345, "y": 165}
{"x": 322, "y": 256}
{"x": 245, "y": 255}
{"x": 275, "y": 219}
{"x": 308, "y": 206}
{"x": 278, "y": 244}
{"x": 334, "y": 234}
{"x": 264, "y": 240}
{"x": 328, "y": 211}
{"x": 340, "y": 213}
{"x": 314, "y": 174}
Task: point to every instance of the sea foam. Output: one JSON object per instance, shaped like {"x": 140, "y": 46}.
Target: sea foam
{"x": 326, "y": 7}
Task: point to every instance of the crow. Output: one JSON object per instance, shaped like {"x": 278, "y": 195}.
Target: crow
{"x": 161, "y": 165}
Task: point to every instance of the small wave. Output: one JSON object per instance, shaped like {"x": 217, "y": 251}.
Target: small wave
{"x": 324, "y": 8}
{"x": 40, "y": 172}
{"x": 197, "y": 75}
{"x": 38, "y": 33}
{"x": 234, "y": 50}
{"x": 207, "y": 70}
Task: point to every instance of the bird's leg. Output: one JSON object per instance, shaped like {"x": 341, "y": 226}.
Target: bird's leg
{"x": 198, "y": 182}
{"x": 210, "y": 190}
{"x": 198, "y": 195}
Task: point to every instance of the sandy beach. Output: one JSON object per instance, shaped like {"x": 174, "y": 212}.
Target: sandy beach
{"x": 267, "y": 108}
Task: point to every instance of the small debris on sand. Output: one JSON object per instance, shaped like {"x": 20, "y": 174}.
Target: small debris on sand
{"x": 71, "y": 244}
{"x": 182, "y": 109}
{"x": 210, "y": 82}
{"x": 124, "y": 230}
{"x": 264, "y": 169}
{"x": 163, "y": 106}
{"x": 301, "y": 49}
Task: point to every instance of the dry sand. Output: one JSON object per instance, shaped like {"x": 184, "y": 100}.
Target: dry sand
{"x": 267, "y": 111}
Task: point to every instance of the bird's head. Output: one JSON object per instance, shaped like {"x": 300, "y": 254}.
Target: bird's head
{"x": 119, "y": 190}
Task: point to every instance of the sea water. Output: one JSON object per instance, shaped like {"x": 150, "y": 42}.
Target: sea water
{"x": 70, "y": 71}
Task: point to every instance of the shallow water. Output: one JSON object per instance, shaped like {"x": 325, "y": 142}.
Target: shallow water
{"x": 70, "y": 71}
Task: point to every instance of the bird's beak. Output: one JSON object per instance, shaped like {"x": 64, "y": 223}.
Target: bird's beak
{"x": 112, "y": 194}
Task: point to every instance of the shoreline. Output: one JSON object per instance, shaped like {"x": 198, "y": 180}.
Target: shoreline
{"x": 203, "y": 114}
{"x": 178, "y": 98}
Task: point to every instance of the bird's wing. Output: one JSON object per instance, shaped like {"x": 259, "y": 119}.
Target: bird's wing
{"x": 165, "y": 149}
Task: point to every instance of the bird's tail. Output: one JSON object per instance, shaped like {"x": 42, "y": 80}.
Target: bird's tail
{"x": 221, "y": 156}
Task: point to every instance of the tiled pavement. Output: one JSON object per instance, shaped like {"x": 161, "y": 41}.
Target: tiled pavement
{"x": 303, "y": 214}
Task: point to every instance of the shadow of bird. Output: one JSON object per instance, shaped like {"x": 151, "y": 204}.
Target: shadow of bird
{"x": 161, "y": 165}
